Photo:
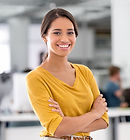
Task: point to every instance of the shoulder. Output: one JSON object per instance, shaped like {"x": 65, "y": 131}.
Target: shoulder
{"x": 35, "y": 82}
{"x": 112, "y": 86}
{"x": 32, "y": 74}
{"x": 86, "y": 70}
{"x": 35, "y": 75}
{"x": 110, "y": 83}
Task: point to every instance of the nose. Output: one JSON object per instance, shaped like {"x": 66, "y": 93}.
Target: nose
{"x": 64, "y": 38}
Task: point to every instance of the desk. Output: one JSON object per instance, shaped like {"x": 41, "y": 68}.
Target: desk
{"x": 25, "y": 117}
{"x": 114, "y": 114}
{"x": 16, "y": 117}
{"x": 117, "y": 112}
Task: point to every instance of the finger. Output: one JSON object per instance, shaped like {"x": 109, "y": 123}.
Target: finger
{"x": 101, "y": 95}
{"x": 106, "y": 109}
{"x": 56, "y": 110}
{"x": 52, "y": 101}
{"x": 105, "y": 103}
{"x": 59, "y": 111}
{"x": 103, "y": 99}
{"x": 55, "y": 102}
{"x": 53, "y": 105}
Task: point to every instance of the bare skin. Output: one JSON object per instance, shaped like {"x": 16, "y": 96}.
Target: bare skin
{"x": 63, "y": 75}
{"x": 92, "y": 119}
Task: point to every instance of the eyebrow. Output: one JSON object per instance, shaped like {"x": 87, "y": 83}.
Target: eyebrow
{"x": 60, "y": 29}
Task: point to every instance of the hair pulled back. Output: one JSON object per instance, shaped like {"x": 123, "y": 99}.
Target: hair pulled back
{"x": 52, "y": 15}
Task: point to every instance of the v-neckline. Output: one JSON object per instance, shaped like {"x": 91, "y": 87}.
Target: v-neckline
{"x": 60, "y": 81}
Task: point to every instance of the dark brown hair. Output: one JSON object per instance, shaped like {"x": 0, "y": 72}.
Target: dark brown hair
{"x": 113, "y": 70}
{"x": 52, "y": 15}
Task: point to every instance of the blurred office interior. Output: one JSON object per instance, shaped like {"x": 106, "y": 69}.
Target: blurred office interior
{"x": 104, "y": 31}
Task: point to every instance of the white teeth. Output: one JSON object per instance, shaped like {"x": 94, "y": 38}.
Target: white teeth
{"x": 63, "y": 46}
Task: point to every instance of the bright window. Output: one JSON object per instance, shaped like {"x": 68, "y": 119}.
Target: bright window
{"x": 4, "y": 48}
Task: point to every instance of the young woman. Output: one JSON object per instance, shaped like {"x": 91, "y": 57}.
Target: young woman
{"x": 64, "y": 95}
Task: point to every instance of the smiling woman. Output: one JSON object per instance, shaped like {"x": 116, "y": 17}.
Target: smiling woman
{"x": 60, "y": 41}
{"x": 64, "y": 95}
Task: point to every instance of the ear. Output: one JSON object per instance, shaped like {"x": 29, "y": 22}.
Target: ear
{"x": 45, "y": 39}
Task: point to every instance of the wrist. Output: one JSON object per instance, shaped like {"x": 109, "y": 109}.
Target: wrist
{"x": 94, "y": 114}
{"x": 88, "y": 117}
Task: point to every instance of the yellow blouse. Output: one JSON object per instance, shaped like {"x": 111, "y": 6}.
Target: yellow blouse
{"x": 74, "y": 100}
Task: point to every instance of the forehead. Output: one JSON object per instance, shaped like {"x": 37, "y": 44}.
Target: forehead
{"x": 62, "y": 22}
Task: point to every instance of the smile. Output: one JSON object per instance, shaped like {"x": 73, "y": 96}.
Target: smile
{"x": 64, "y": 46}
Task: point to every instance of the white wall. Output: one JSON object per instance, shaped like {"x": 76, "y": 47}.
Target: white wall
{"x": 4, "y": 48}
{"x": 84, "y": 48}
{"x": 121, "y": 37}
{"x": 36, "y": 45}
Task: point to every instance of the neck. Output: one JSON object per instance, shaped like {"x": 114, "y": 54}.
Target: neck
{"x": 113, "y": 79}
{"x": 56, "y": 63}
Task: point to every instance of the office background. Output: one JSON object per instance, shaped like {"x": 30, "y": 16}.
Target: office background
{"x": 104, "y": 31}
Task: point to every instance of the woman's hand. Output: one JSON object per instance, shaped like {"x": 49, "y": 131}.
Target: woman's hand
{"x": 99, "y": 106}
{"x": 56, "y": 106}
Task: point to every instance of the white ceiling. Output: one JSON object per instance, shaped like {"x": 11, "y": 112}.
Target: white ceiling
{"x": 84, "y": 10}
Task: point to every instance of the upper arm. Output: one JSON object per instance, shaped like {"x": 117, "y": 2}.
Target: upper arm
{"x": 95, "y": 90}
{"x": 39, "y": 97}
{"x": 93, "y": 83}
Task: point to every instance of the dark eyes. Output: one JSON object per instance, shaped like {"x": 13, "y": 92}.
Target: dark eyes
{"x": 70, "y": 33}
{"x": 59, "y": 33}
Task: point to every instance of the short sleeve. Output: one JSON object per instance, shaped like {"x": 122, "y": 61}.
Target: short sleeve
{"x": 95, "y": 89}
{"x": 39, "y": 97}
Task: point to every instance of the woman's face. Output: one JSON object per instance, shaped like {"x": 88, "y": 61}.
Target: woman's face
{"x": 60, "y": 37}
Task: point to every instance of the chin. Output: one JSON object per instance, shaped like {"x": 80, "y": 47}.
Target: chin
{"x": 63, "y": 55}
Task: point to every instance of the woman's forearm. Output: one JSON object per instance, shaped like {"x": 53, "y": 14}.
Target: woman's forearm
{"x": 96, "y": 125}
{"x": 72, "y": 125}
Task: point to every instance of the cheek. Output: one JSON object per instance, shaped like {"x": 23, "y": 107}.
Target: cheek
{"x": 53, "y": 39}
{"x": 51, "y": 42}
{"x": 73, "y": 40}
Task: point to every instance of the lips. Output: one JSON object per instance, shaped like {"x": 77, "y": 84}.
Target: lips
{"x": 63, "y": 46}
